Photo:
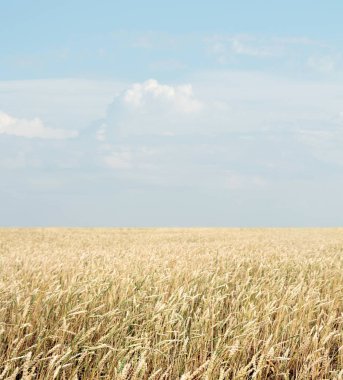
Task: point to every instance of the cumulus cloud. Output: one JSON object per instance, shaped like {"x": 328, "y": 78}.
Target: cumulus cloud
{"x": 179, "y": 98}
{"x": 31, "y": 128}
{"x": 150, "y": 108}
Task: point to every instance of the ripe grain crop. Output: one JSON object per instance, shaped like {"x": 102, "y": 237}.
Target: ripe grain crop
{"x": 171, "y": 304}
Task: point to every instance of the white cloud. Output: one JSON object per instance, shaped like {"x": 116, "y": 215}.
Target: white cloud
{"x": 178, "y": 97}
{"x": 151, "y": 108}
{"x": 293, "y": 51}
{"x": 225, "y": 47}
{"x": 66, "y": 103}
{"x": 248, "y": 46}
{"x": 33, "y": 128}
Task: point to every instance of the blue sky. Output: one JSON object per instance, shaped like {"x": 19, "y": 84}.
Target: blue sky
{"x": 128, "y": 113}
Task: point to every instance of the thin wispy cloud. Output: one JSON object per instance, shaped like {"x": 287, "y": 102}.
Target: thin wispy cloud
{"x": 307, "y": 53}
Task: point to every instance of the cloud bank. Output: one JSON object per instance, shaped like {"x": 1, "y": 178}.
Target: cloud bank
{"x": 246, "y": 138}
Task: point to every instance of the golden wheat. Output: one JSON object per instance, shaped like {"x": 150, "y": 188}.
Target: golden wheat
{"x": 171, "y": 304}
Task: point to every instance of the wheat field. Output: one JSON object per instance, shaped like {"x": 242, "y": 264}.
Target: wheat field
{"x": 171, "y": 304}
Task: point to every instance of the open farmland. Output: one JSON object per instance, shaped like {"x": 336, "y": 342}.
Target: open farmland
{"x": 171, "y": 303}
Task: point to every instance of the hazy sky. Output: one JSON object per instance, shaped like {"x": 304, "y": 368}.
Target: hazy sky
{"x": 171, "y": 113}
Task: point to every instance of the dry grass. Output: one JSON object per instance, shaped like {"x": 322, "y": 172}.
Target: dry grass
{"x": 171, "y": 304}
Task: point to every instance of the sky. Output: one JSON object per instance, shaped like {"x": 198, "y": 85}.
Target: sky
{"x": 174, "y": 113}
